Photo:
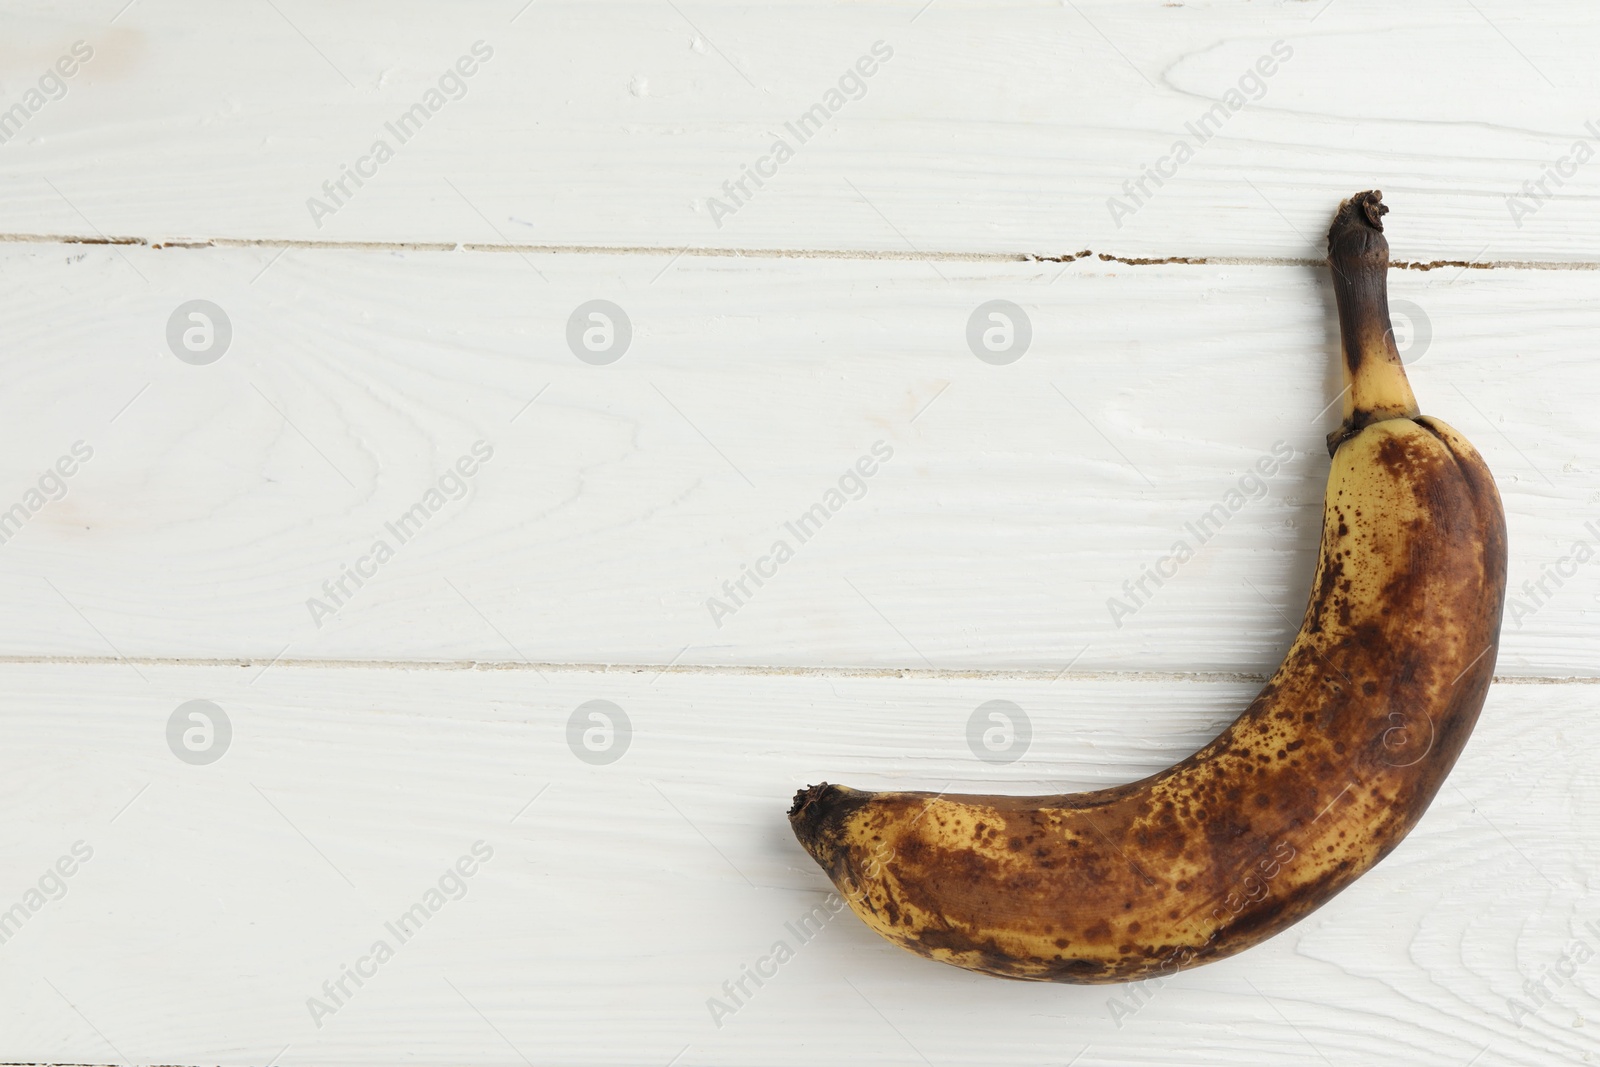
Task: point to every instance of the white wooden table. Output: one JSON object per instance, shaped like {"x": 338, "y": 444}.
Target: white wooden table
{"x": 381, "y": 738}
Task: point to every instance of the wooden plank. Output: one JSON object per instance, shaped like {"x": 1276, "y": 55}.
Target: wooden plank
{"x": 619, "y": 897}
{"x": 1000, "y": 129}
{"x": 621, "y": 498}
{"x": 164, "y": 514}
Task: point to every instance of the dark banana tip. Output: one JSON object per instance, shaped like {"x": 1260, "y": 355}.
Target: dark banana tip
{"x": 818, "y": 815}
{"x": 805, "y": 797}
{"x": 1357, "y": 229}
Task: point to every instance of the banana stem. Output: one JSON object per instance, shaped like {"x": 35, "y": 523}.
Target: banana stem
{"x": 1375, "y": 386}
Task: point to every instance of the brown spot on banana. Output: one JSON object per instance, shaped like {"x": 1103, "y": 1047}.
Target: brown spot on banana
{"x": 1317, "y": 780}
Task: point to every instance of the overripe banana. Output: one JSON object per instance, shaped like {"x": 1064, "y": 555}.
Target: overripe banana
{"x": 1322, "y": 775}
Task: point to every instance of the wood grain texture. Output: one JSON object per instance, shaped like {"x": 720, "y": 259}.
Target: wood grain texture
{"x": 772, "y": 347}
{"x": 1018, "y": 501}
{"x": 993, "y": 129}
{"x": 219, "y": 898}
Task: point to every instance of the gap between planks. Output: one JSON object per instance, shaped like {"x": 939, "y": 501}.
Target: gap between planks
{"x": 776, "y": 253}
{"x": 713, "y": 670}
